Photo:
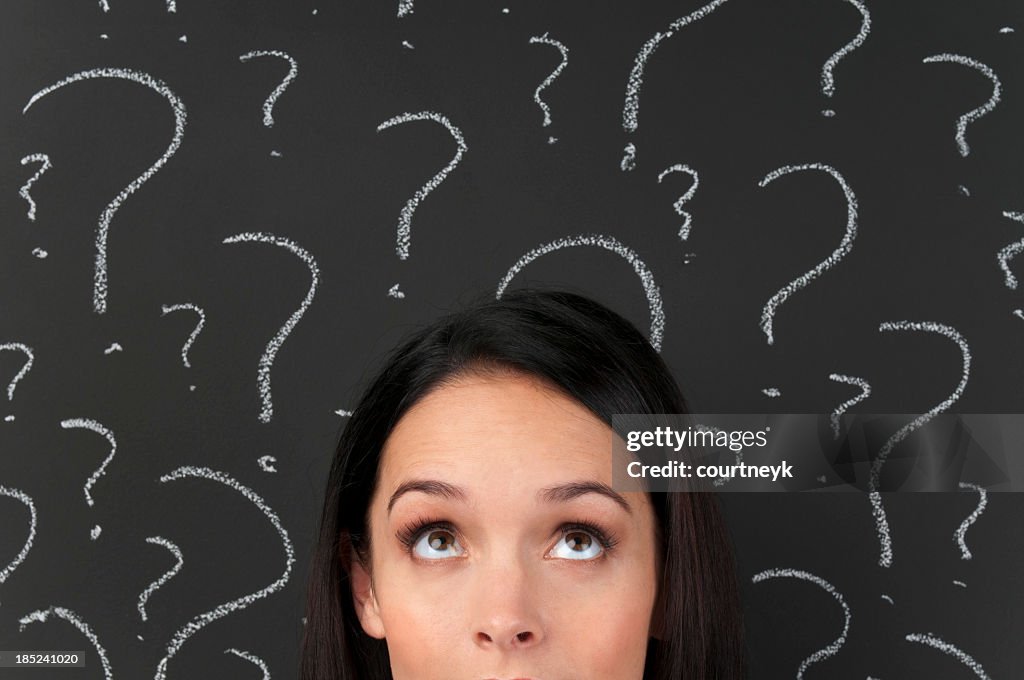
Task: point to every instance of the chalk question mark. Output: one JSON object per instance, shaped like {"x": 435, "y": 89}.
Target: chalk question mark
{"x": 970, "y": 116}
{"x": 293, "y": 70}
{"x": 865, "y": 392}
{"x": 89, "y": 424}
{"x": 152, "y": 588}
{"x": 40, "y": 616}
{"x": 828, "y": 83}
{"x": 99, "y": 295}
{"x": 23, "y": 191}
{"x": 405, "y": 218}
{"x": 684, "y": 231}
{"x": 961, "y": 531}
{"x": 1011, "y": 251}
{"x": 24, "y": 498}
{"x": 27, "y": 351}
{"x": 267, "y": 360}
{"x": 768, "y": 313}
{"x": 825, "y": 652}
{"x": 195, "y": 332}
{"x": 878, "y": 510}
{"x": 631, "y": 110}
{"x": 938, "y": 643}
{"x": 651, "y": 289}
{"x": 199, "y": 621}
{"x": 551, "y": 77}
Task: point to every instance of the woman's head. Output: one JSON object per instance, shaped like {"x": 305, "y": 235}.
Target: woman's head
{"x": 470, "y": 529}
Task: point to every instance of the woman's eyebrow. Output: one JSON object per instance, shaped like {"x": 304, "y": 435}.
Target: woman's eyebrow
{"x": 567, "y": 492}
{"x": 427, "y": 486}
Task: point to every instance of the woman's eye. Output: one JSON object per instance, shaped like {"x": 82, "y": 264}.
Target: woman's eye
{"x": 437, "y": 544}
{"x": 577, "y": 545}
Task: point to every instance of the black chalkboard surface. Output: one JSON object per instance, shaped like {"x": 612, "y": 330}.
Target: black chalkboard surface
{"x": 218, "y": 216}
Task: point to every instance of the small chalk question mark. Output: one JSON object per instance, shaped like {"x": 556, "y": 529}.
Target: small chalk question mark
{"x": 195, "y": 331}
{"x": 865, "y": 392}
{"x": 768, "y": 314}
{"x": 92, "y": 425}
{"x": 544, "y": 39}
{"x": 293, "y": 70}
{"x": 828, "y": 83}
{"x": 99, "y": 296}
{"x": 155, "y": 585}
{"x": 267, "y": 360}
{"x": 30, "y": 357}
{"x": 684, "y": 231}
{"x": 405, "y": 218}
{"x": 961, "y": 531}
{"x": 24, "y": 190}
{"x": 970, "y": 116}
{"x": 1011, "y": 251}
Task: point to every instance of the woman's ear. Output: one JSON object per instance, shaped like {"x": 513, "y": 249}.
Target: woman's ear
{"x": 364, "y": 598}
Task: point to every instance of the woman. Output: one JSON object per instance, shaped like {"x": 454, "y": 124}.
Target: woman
{"x": 470, "y": 529}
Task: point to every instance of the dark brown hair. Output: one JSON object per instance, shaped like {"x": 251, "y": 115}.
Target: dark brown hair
{"x": 597, "y": 358}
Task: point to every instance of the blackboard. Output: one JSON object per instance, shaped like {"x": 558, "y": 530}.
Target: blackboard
{"x": 684, "y": 157}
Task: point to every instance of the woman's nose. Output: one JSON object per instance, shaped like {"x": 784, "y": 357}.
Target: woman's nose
{"x": 506, "y": 615}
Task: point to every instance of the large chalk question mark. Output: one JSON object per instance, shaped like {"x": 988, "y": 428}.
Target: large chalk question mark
{"x": 19, "y": 495}
{"x": 684, "y": 231}
{"x": 40, "y": 616}
{"x": 961, "y": 531}
{"x": 267, "y": 360}
{"x": 27, "y": 351}
{"x": 828, "y": 83}
{"x": 938, "y": 643}
{"x": 92, "y": 425}
{"x": 293, "y": 70}
{"x": 551, "y": 77}
{"x": 195, "y": 331}
{"x": 881, "y": 521}
{"x": 405, "y": 218}
{"x": 23, "y": 191}
{"x": 768, "y": 314}
{"x": 651, "y": 290}
{"x": 806, "y": 576}
{"x": 631, "y": 110}
{"x": 970, "y": 116}
{"x": 152, "y": 588}
{"x": 99, "y": 295}
{"x": 198, "y": 622}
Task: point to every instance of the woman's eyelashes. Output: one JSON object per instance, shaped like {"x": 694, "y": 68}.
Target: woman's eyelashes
{"x": 438, "y": 540}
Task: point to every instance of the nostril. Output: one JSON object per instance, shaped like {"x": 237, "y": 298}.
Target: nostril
{"x": 483, "y": 637}
{"x": 524, "y": 637}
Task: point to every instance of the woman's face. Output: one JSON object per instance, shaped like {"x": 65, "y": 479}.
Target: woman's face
{"x": 498, "y": 548}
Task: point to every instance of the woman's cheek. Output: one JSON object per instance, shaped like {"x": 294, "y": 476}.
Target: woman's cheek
{"x": 421, "y": 626}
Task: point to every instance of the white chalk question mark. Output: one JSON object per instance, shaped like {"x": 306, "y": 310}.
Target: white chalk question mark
{"x": 961, "y": 531}
{"x": 768, "y": 314}
{"x": 828, "y": 83}
{"x": 24, "y": 190}
{"x": 1011, "y": 251}
{"x": 40, "y": 616}
{"x": 551, "y": 77}
{"x": 99, "y": 295}
{"x": 970, "y": 116}
{"x": 199, "y": 621}
{"x": 684, "y": 231}
{"x": 293, "y": 70}
{"x": 631, "y": 110}
{"x": 267, "y": 360}
{"x": 651, "y": 289}
{"x": 938, "y": 643}
{"x": 92, "y": 425}
{"x": 405, "y": 218}
{"x": 19, "y": 495}
{"x": 865, "y": 392}
{"x": 817, "y": 580}
{"x": 152, "y": 588}
{"x": 195, "y": 332}
{"x": 27, "y": 351}
{"x": 878, "y": 510}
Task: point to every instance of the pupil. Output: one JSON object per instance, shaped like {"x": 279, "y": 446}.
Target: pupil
{"x": 579, "y": 541}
